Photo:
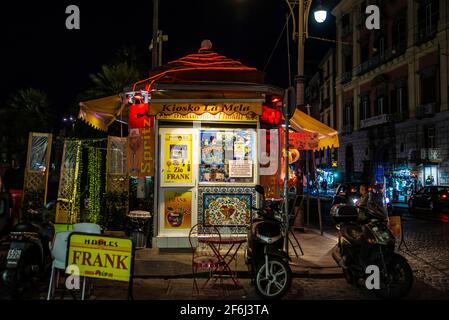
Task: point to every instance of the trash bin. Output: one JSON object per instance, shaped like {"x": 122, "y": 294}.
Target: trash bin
{"x": 139, "y": 222}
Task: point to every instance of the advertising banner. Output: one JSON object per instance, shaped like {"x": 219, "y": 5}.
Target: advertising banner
{"x": 102, "y": 257}
{"x": 178, "y": 158}
{"x": 178, "y": 209}
{"x": 141, "y": 152}
{"x": 301, "y": 140}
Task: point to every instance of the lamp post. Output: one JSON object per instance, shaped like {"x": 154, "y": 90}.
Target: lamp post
{"x": 320, "y": 15}
{"x": 155, "y": 43}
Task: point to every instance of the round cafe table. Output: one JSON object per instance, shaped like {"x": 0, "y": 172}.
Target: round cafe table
{"x": 226, "y": 259}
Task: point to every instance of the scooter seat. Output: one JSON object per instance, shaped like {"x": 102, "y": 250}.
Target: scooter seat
{"x": 24, "y": 227}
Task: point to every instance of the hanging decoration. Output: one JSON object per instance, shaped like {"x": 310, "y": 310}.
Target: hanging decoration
{"x": 94, "y": 183}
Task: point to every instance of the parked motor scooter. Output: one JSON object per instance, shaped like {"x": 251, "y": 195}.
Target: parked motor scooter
{"x": 365, "y": 240}
{"x": 29, "y": 254}
{"x": 265, "y": 255}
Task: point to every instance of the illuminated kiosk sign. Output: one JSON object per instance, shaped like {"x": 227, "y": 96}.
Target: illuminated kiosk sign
{"x": 103, "y": 257}
{"x": 207, "y": 111}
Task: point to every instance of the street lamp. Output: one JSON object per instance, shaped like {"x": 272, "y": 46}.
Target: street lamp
{"x": 320, "y": 14}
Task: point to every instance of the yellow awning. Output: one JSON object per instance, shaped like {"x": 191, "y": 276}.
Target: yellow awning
{"x": 100, "y": 113}
{"x": 327, "y": 137}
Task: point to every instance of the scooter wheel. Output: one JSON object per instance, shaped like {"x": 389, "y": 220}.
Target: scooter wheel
{"x": 278, "y": 281}
{"x": 11, "y": 284}
{"x": 399, "y": 279}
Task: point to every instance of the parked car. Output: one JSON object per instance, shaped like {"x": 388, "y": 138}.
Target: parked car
{"x": 430, "y": 199}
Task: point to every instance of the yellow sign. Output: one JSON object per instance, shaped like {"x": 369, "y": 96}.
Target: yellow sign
{"x": 236, "y": 117}
{"x": 141, "y": 152}
{"x": 101, "y": 257}
{"x": 201, "y": 108}
{"x": 178, "y": 209}
{"x": 178, "y": 158}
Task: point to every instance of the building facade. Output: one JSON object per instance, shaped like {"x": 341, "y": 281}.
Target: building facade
{"x": 392, "y": 92}
{"x": 321, "y": 96}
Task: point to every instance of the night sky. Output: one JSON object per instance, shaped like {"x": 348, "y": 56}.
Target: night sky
{"x": 38, "y": 51}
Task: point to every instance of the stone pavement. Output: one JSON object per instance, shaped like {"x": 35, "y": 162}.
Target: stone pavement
{"x": 303, "y": 288}
{"x": 317, "y": 259}
{"x": 167, "y": 275}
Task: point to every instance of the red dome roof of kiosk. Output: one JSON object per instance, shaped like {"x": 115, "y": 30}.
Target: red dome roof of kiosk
{"x": 206, "y": 65}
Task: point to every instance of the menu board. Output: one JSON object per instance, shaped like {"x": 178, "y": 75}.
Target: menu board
{"x": 240, "y": 168}
{"x": 178, "y": 158}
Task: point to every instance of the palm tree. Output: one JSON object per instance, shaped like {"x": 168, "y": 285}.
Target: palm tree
{"x": 31, "y": 107}
{"x": 26, "y": 111}
{"x": 112, "y": 79}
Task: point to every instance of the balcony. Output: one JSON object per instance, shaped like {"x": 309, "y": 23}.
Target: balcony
{"x": 432, "y": 154}
{"x": 399, "y": 48}
{"x": 346, "y": 77}
{"x": 368, "y": 65}
{"x": 375, "y": 121}
{"x": 426, "y": 110}
{"x": 378, "y": 59}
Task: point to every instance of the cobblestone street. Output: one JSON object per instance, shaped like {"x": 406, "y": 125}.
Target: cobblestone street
{"x": 426, "y": 247}
{"x": 427, "y": 241}
{"x": 334, "y": 288}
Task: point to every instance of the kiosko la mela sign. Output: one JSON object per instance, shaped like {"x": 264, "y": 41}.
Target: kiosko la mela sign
{"x": 102, "y": 257}
{"x": 248, "y": 111}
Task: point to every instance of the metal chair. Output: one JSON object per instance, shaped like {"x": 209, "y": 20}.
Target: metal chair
{"x": 205, "y": 255}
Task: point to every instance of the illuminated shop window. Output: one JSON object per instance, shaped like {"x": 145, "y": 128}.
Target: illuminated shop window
{"x": 227, "y": 155}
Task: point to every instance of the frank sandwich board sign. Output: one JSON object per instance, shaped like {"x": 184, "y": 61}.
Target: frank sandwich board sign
{"x": 103, "y": 257}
